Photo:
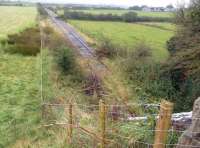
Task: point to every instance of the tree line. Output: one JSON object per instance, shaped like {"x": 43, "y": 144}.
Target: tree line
{"x": 126, "y": 17}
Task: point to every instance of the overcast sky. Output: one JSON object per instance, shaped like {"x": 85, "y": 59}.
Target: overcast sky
{"x": 118, "y": 2}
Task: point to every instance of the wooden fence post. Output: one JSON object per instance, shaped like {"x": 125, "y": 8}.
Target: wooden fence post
{"x": 102, "y": 116}
{"x": 163, "y": 124}
{"x": 70, "y": 128}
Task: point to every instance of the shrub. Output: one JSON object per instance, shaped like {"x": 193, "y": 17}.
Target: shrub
{"x": 142, "y": 70}
{"x": 138, "y": 62}
{"x": 25, "y": 43}
{"x": 106, "y": 48}
{"x": 66, "y": 60}
{"x": 183, "y": 65}
{"x": 129, "y": 17}
{"x": 41, "y": 10}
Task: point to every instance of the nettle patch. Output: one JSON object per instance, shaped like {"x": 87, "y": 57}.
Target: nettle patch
{"x": 25, "y": 43}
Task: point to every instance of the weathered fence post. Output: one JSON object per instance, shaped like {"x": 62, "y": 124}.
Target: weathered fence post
{"x": 102, "y": 116}
{"x": 70, "y": 128}
{"x": 163, "y": 124}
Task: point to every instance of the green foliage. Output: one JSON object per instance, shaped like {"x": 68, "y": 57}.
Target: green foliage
{"x": 88, "y": 16}
{"x": 19, "y": 98}
{"x": 143, "y": 71}
{"x": 193, "y": 17}
{"x": 25, "y": 43}
{"x": 183, "y": 64}
{"x": 15, "y": 19}
{"x": 107, "y": 48}
{"x": 129, "y": 17}
{"x": 134, "y": 131}
{"x": 137, "y": 8}
{"x": 123, "y": 11}
{"x": 41, "y": 11}
{"x": 63, "y": 55}
{"x": 66, "y": 59}
{"x": 127, "y": 36}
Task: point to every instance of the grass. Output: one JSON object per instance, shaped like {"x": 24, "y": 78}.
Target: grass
{"x": 164, "y": 26}
{"x": 121, "y": 12}
{"x": 128, "y": 35}
{"x": 19, "y": 97}
{"x": 15, "y": 19}
{"x": 19, "y": 81}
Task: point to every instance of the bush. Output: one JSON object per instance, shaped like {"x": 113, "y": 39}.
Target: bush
{"x": 106, "y": 48}
{"x": 142, "y": 71}
{"x": 66, "y": 60}
{"x": 26, "y": 43}
{"x": 138, "y": 62}
{"x": 183, "y": 65}
{"x": 129, "y": 17}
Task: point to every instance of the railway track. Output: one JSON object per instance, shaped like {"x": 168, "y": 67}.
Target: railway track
{"x": 72, "y": 35}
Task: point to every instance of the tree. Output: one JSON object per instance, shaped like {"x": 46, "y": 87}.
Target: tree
{"x": 135, "y": 8}
{"x": 183, "y": 64}
{"x": 130, "y": 17}
{"x": 170, "y": 6}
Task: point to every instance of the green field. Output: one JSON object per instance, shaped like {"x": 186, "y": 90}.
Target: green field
{"x": 120, "y": 12}
{"x": 128, "y": 35}
{"x": 14, "y": 19}
{"x": 19, "y": 81}
{"x": 164, "y": 26}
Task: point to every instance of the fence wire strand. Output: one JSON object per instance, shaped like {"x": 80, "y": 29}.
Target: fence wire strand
{"x": 119, "y": 129}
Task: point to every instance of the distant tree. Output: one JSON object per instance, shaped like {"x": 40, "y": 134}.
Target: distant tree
{"x": 180, "y": 15}
{"x": 194, "y": 16}
{"x": 170, "y": 6}
{"x": 130, "y": 17}
{"x": 144, "y": 6}
{"x": 135, "y": 8}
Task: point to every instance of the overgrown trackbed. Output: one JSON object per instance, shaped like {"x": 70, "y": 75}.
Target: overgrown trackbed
{"x": 74, "y": 37}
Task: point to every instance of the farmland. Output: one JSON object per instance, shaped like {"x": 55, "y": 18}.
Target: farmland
{"x": 55, "y": 91}
{"x": 128, "y": 35}
{"x": 120, "y": 12}
{"x": 19, "y": 80}
{"x": 17, "y": 18}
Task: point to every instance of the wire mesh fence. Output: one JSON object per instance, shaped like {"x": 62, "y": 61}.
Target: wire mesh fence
{"x": 114, "y": 125}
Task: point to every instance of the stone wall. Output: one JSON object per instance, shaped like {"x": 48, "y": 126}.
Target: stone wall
{"x": 191, "y": 138}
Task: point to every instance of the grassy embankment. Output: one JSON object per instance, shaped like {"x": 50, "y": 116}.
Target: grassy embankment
{"x": 21, "y": 115}
{"x": 127, "y": 37}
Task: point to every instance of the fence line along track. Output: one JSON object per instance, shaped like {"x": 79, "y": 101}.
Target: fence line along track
{"x": 87, "y": 52}
{"x": 104, "y": 130}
